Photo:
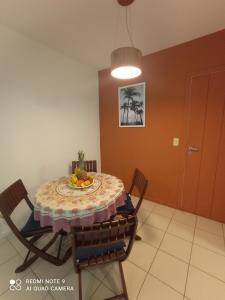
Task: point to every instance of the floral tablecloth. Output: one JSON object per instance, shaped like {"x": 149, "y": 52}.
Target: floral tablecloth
{"x": 60, "y": 206}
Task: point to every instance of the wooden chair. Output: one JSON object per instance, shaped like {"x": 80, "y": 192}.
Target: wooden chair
{"x": 103, "y": 243}
{"x": 140, "y": 183}
{"x": 89, "y": 165}
{"x": 32, "y": 231}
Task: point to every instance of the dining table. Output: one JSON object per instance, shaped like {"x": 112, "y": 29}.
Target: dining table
{"x": 61, "y": 206}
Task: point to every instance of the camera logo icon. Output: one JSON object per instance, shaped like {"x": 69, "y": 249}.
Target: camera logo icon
{"x": 15, "y": 285}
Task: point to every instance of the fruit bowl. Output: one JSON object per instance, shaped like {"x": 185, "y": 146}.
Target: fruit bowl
{"x": 77, "y": 183}
{"x": 73, "y": 186}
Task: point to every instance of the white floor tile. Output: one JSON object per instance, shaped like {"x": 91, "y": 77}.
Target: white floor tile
{"x": 134, "y": 278}
{"x": 201, "y": 286}
{"x": 185, "y": 217}
{"x": 44, "y": 269}
{"x": 142, "y": 255}
{"x": 7, "y": 251}
{"x": 40, "y": 243}
{"x": 48, "y": 297}
{"x": 181, "y": 230}
{"x": 148, "y": 205}
{"x": 7, "y": 272}
{"x": 102, "y": 293}
{"x": 100, "y": 271}
{"x": 170, "y": 270}
{"x": 156, "y": 290}
{"x": 89, "y": 286}
{"x": 2, "y": 240}
{"x": 17, "y": 244}
{"x": 113, "y": 279}
{"x": 23, "y": 293}
{"x": 208, "y": 261}
{"x": 177, "y": 247}
{"x": 139, "y": 225}
{"x": 163, "y": 210}
{"x": 209, "y": 225}
{"x": 151, "y": 235}
{"x": 210, "y": 241}
{"x": 133, "y": 283}
{"x": 143, "y": 215}
{"x": 158, "y": 221}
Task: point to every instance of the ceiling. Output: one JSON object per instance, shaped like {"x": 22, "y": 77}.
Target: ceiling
{"x": 88, "y": 30}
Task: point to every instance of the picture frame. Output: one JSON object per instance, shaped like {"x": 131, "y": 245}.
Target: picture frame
{"x": 131, "y": 105}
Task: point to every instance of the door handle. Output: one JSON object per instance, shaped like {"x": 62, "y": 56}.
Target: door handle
{"x": 192, "y": 149}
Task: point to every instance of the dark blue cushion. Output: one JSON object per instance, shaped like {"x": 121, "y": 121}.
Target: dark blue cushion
{"x": 85, "y": 253}
{"x": 31, "y": 225}
{"x": 128, "y": 206}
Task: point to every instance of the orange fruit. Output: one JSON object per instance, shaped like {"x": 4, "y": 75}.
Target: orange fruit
{"x": 79, "y": 182}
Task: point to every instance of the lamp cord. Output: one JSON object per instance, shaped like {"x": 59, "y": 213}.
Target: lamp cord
{"x": 117, "y": 28}
{"x": 128, "y": 30}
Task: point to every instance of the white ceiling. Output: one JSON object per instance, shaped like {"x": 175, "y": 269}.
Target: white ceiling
{"x": 86, "y": 29}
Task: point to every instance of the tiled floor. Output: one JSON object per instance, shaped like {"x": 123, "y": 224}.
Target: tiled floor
{"x": 181, "y": 257}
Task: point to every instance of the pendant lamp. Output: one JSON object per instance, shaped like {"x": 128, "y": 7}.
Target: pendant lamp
{"x": 126, "y": 61}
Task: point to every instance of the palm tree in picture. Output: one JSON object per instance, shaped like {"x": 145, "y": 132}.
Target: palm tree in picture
{"x": 129, "y": 93}
{"x": 140, "y": 111}
{"x": 124, "y": 107}
{"x": 134, "y": 108}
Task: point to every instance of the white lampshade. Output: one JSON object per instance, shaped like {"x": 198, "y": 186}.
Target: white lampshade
{"x": 126, "y": 63}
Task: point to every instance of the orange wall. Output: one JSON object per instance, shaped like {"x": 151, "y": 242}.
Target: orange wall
{"x": 150, "y": 148}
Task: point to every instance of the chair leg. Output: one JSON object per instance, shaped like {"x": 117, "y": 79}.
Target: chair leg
{"x": 60, "y": 246}
{"x": 80, "y": 285}
{"x": 124, "y": 294}
{"x": 138, "y": 238}
{"x": 123, "y": 281}
{"x": 28, "y": 261}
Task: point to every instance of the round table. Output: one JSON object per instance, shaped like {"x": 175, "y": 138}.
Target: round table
{"x": 61, "y": 206}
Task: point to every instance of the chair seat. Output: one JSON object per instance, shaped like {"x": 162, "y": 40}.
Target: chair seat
{"x": 127, "y": 207}
{"x": 83, "y": 253}
{"x": 33, "y": 226}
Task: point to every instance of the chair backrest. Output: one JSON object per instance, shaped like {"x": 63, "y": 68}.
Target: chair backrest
{"x": 105, "y": 234}
{"x": 89, "y": 165}
{"x": 9, "y": 199}
{"x": 12, "y": 196}
{"x": 140, "y": 182}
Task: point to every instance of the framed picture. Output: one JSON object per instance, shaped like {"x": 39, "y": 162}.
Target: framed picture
{"x": 132, "y": 105}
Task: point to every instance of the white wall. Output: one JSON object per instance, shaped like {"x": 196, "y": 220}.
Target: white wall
{"x": 48, "y": 111}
